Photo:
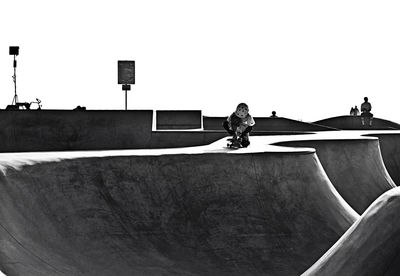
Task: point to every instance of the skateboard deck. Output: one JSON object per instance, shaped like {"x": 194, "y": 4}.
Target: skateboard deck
{"x": 234, "y": 143}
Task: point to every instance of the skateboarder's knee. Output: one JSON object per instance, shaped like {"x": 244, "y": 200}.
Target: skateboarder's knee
{"x": 247, "y": 130}
{"x": 226, "y": 126}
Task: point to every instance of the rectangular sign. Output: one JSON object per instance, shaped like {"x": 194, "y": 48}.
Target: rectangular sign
{"x": 126, "y": 72}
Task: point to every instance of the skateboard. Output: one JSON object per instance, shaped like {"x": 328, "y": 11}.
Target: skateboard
{"x": 234, "y": 143}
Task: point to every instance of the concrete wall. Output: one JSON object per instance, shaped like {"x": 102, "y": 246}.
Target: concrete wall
{"x": 58, "y": 130}
{"x": 52, "y": 130}
{"x": 173, "y": 139}
{"x": 284, "y": 124}
{"x": 266, "y": 124}
{"x": 178, "y": 119}
{"x": 213, "y": 123}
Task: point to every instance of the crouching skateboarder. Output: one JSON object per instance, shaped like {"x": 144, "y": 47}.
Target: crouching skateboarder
{"x": 239, "y": 124}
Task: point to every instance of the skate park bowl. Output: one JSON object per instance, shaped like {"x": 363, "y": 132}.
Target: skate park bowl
{"x": 313, "y": 204}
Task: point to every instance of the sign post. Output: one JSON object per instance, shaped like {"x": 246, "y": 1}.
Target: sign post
{"x": 126, "y": 88}
{"x": 126, "y": 76}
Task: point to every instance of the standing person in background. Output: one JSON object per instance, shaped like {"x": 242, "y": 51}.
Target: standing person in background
{"x": 354, "y": 111}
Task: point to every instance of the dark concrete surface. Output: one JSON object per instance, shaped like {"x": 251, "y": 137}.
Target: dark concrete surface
{"x": 263, "y": 210}
{"x": 53, "y": 130}
{"x": 178, "y": 119}
{"x": 216, "y": 212}
{"x": 56, "y": 130}
{"x": 355, "y": 167}
{"x": 267, "y": 124}
{"x": 390, "y": 149}
{"x": 370, "y": 246}
{"x": 354, "y": 123}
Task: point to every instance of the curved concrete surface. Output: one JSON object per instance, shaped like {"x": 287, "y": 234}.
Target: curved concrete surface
{"x": 390, "y": 147}
{"x": 354, "y": 123}
{"x": 354, "y": 166}
{"x": 268, "y": 124}
{"x": 264, "y": 210}
{"x": 370, "y": 246}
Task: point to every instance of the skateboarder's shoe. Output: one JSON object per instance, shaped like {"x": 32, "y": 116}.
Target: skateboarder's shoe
{"x": 235, "y": 142}
{"x": 245, "y": 142}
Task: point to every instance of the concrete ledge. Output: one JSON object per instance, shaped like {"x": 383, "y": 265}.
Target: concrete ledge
{"x": 52, "y": 130}
{"x": 178, "y": 119}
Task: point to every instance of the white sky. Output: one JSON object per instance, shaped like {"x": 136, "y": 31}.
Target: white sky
{"x": 307, "y": 60}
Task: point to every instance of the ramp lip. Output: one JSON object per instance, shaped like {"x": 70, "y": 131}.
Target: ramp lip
{"x": 259, "y": 144}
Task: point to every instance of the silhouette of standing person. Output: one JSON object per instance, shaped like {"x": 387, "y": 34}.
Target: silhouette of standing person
{"x": 354, "y": 111}
{"x": 273, "y": 115}
{"x": 366, "y": 112}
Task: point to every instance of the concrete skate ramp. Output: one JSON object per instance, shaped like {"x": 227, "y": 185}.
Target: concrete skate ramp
{"x": 200, "y": 211}
{"x": 354, "y": 166}
{"x": 370, "y": 247}
{"x": 268, "y": 124}
{"x": 354, "y": 123}
{"x": 390, "y": 147}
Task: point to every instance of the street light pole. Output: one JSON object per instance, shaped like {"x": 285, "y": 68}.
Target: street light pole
{"x": 14, "y": 51}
